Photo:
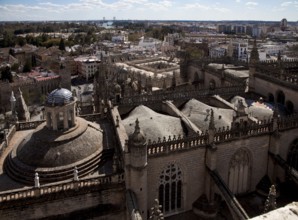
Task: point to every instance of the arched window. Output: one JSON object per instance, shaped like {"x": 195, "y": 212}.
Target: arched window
{"x": 170, "y": 188}
{"x": 280, "y": 97}
{"x": 290, "y": 107}
{"x": 293, "y": 155}
{"x": 270, "y": 98}
{"x": 60, "y": 120}
{"x": 239, "y": 172}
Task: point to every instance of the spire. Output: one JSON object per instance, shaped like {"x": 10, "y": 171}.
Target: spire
{"x": 137, "y": 127}
{"x": 137, "y": 138}
{"x": 13, "y": 107}
{"x": 270, "y": 203}
{"x": 254, "y": 55}
{"x": 156, "y": 214}
{"x": 211, "y": 122}
{"x": 23, "y": 112}
{"x": 240, "y": 108}
{"x": 13, "y": 102}
{"x": 75, "y": 174}
{"x": 36, "y": 180}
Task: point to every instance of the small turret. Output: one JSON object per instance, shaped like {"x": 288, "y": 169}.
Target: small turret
{"x": 137, "y": 139}
{"x": 240, "y": 108}
{"x": 136, "y": 168}
{"x": 22, "y": 108}
{"x": 12, "y": 103}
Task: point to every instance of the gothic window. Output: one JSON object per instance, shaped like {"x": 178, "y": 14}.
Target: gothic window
{"x": 281, "y": 97}
{"x": 170, "y": 188}
{"x": 293, "y": 155}
{"x": 290, "y": 107}
{"x": 239, "y": 172}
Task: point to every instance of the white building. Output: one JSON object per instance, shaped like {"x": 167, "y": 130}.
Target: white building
{"x": 122, "y": 38}
{"x": 273, "y": 49}
{"x": 150, "y": 43}
{"x": 238, "y": 49}
{"x": 87, "y": 66}
{"x": 218, "y": 51}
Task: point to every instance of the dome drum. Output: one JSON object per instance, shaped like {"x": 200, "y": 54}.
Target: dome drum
{"x": 53, "y": 155}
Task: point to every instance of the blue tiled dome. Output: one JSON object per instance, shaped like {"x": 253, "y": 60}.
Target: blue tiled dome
{"x": 59, "y": 96}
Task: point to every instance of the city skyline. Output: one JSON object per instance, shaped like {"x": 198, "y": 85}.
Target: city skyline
{"x": 18, "y": 10}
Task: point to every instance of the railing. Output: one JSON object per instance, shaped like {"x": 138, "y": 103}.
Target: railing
{"x": 20, "y": 126}
{"x": 60, "y": 187}
{"x": 288, "y": 122}
{"x": 228, "y": 76}
{"x": 287, "y": 81}
{"x": 178, "y": 95}
{"x": 171, "y": 144}
{"x": 91, "y": 117}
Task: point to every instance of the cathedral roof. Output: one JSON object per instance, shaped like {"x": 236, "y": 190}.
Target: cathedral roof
{"x": 60, "y": 96}
{"x": 199, "y": 113}
{"x": 153, "y": 124}
{"x": 257, "y": 109}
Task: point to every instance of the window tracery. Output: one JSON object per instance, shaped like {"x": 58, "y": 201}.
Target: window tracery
{"x": 170, "y": 188}
{"x": 239, "y": 172}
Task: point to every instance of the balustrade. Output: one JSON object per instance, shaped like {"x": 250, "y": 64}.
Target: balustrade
{"x": 65, "y": 186}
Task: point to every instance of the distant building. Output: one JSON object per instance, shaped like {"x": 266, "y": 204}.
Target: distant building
{"x": 87, "y": 66}
{"x": 284, "y": 24}
{"x": 238, "y": 49}
{"x": 121, "y": 38}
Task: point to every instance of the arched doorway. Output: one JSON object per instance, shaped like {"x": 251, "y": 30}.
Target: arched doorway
{"x": 170, "y": 188}
{"x": 290, "y": 107}
{"x": 293, "y": 155}
{"x": 270, "y": 98}
{"x": 239, "y": 172}
{"x": 280, "y": 97}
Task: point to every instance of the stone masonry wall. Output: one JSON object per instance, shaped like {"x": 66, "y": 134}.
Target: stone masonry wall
{"x": 258, "y": 149}
{"x": 263, "y": 87}
{"x": 192, "y": 165}
{"x": 38, "y": 208}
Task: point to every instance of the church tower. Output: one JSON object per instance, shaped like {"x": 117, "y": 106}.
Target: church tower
{"x": 254, "y": 59}
{"x": 136, "y": 168}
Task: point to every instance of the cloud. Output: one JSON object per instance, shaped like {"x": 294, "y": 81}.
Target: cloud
{"x": 251, "y": 4}
{"x": 286, "y": 4}
{"x": 215, "y": 7}
{"x": 196, "y": 6}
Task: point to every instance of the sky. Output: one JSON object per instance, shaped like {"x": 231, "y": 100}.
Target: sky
{"x": 267, "y": 10}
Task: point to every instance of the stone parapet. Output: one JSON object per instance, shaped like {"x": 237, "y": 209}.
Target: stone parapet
{"x": 31, "y": 192}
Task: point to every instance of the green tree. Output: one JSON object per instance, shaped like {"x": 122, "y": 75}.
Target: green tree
{"x": 6, "y": 74}
{"x": 61, "y": 44}
{"x": 21, "y": 41}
